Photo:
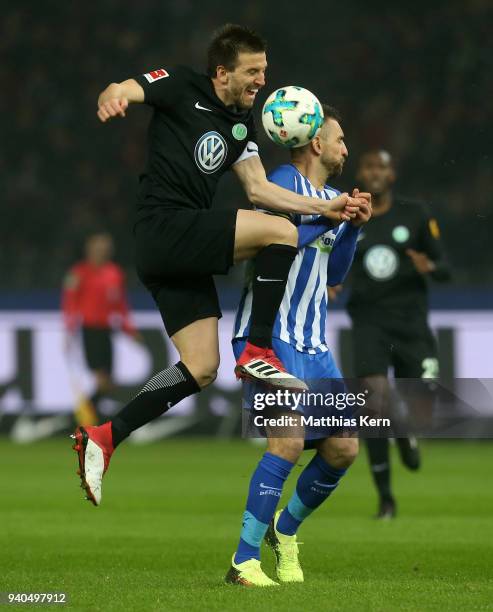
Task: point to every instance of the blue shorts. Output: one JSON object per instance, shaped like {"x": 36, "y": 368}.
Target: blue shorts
{"x": 303, "y": 365}
{"x": 320, "y": 373}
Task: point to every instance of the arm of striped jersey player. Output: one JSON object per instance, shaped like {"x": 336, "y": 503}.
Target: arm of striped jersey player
{"x": 308, "y": 232}
{"x": 342, "y": 254}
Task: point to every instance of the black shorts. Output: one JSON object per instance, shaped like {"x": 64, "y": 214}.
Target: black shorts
{"x": 98, "y": 349}
{"x": 410, "y": 349}
{"x": 177, "y": 252}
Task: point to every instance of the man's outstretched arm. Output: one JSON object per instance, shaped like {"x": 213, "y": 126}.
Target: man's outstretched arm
{"x": 114, "y": 100}
{"x": 264, "y": 194}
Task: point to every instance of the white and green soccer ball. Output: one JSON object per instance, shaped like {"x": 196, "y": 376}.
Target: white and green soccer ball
{"x": 292, "y": 116}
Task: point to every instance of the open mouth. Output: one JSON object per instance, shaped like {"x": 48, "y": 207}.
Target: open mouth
{"x": 251, "y": 93}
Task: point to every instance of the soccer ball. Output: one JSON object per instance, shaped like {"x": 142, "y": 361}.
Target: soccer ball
{"x": 291, "y": 116}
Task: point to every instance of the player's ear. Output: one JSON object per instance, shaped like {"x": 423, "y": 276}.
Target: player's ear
{"x": 222, "y": 74}
{"x": 316, "y": 145}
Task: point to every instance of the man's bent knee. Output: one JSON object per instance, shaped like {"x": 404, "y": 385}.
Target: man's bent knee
{"x": 339, "y": 452}
{"x": 281, "y": 231}
{"x": 287, "y": 448}
{"x": 204, "y": 373}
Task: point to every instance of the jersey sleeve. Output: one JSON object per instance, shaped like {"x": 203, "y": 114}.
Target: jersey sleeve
{"x": 308, "y": 232}
{"x": 430, "y": 243}
{"x": 163, "y": 87}
{"x": 250, "y": 150}
{"x": 251, "y": 147}
{"x": 342, "y": 254}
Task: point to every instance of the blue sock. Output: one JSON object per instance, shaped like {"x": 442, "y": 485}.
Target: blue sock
{"x": 316, "y": 482}
{"x": 263, "y": 496}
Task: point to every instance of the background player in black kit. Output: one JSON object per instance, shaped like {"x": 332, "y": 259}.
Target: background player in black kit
{"x": 397, "y": 253}
{"x": 202, "y": 126}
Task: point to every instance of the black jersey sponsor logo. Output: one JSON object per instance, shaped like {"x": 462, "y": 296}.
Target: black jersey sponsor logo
{"x": 210, "y": 152}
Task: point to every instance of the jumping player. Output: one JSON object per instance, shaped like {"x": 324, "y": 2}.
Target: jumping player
{"x": 202, "y": 126}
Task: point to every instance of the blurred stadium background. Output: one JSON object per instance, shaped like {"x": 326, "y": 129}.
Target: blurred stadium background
{"x": 414, "y": 79}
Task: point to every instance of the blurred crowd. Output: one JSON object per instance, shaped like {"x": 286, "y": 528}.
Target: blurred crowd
{"x": 415, "y": 80}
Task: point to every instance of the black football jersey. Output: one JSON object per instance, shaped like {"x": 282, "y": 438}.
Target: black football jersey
{"x": 193, "y": 139}
{"x": 383, "y": 280}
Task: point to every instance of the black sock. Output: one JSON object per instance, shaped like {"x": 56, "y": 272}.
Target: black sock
{"x": 158, "y": 395}
{"x": 271, "y": 271}
{"x": 378, "y": 455}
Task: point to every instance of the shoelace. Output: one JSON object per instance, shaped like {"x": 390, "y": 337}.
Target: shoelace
{"x": 255, "y": 567}
{"x": 290, "y": 552}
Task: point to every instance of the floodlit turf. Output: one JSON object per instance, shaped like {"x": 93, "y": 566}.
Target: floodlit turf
{"x": 170, "y": 519}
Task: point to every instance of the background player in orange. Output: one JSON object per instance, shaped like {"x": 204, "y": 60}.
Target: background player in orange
{"x": 94, "y": 301}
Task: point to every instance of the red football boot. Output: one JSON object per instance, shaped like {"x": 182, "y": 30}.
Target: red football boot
{"x": 261, "y": 365}
{"x": 94, "y": 446}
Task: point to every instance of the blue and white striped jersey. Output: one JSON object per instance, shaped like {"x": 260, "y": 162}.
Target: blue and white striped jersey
{"x": 302, "y": 315}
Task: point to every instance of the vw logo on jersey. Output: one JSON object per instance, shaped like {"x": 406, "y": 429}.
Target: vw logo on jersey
{"x": 210, "y": 152}
{"x": 381, "y": 262}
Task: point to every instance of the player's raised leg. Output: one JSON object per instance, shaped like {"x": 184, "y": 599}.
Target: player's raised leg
{"x": 197, "y": 345}
{"x": 272, "y": 242}
{"x": 316, "y": 483}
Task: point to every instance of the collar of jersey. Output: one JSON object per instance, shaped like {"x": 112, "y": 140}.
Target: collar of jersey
{"x": 307, "y": 179}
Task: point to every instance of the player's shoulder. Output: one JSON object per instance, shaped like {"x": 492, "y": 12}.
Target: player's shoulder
{"x": 178, "y": 73}
{"x": 188, "y": 73}
{"x": 282, "y": 173}
{"x": 185, "y": 75}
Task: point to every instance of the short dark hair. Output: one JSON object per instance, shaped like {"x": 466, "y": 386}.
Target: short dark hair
{"x": 228, "y": 42}
{"x": 331, "y": 113}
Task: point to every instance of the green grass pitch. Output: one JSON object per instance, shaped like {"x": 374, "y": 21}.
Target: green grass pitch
{"x": 170, "y": 520}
